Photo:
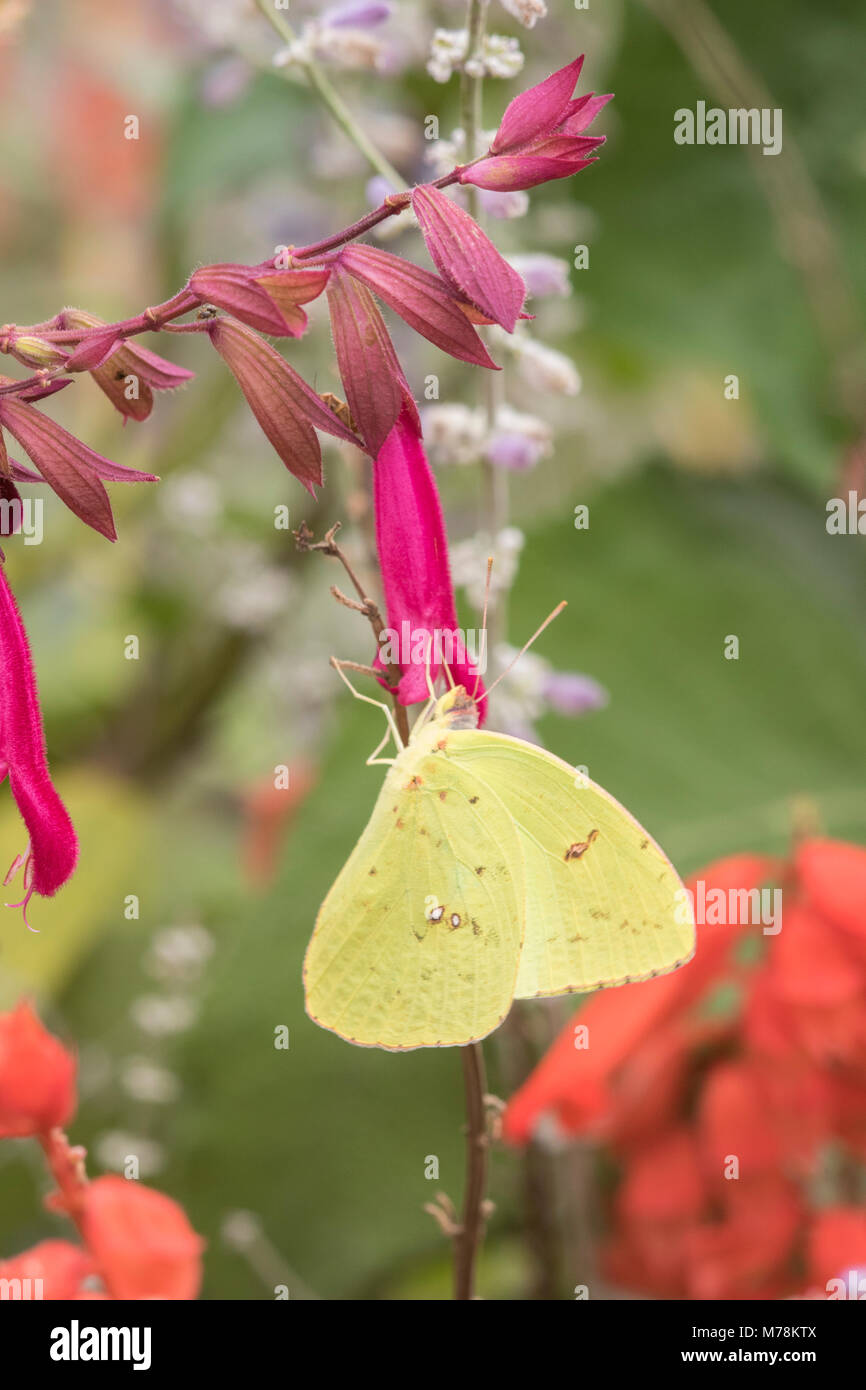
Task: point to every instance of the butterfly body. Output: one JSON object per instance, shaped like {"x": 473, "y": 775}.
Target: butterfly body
{"x": 485, "y": 874}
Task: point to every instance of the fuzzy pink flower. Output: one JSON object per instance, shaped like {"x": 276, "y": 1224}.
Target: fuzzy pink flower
{"x": 53, "y": 849}
{"x": 541, "y": 136}
{"x": 466, "y": 257}
{"x": 413, "y": 554}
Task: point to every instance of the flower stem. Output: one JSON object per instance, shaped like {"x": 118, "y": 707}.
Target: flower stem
{"x": 467, "y": 1242}
{"x": 321, "y": 84}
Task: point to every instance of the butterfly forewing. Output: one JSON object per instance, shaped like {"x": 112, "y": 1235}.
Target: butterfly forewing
{"x": 417, "y": 944}
{"x": 604, "y": 905}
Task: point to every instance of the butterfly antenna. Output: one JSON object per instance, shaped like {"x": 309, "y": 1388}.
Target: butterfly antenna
{"x": 525, "y": 648}
{"x": 484, "y": 620}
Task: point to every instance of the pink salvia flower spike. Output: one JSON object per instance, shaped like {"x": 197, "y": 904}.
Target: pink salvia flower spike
{"x": 53, "y": 850}
{"x": 541, "y": 136}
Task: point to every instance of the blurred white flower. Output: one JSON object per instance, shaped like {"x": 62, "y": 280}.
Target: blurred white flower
{"x": 498, "y": 56}
{"x": 179, "y": 954}
{"x": 469, "y": 563}
{"x": 504, "y": 206}
{"x": 543, "y": 274}
{"x": 447, "y": 51}
{"x": 147, "y": 1082}
{"x": 241, "y": 1229}
{"x": 253, "y": 592}
{"x": 517, "y": 440}
{"x": 353, "y": 49}
{"x": 544, "y": 368}
{"x": 191, "y": 501}
{"x": 527, "y": 11}
{"x": 114, "y": 1149}
{"x": 162, "y": 1017}
{"x": 453, "y": 433}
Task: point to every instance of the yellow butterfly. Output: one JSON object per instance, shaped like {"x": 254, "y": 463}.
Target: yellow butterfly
{"x": 489, "y": 871}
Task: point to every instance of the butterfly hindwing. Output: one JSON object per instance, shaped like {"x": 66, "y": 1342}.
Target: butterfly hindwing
{"x": 604, "y": 905}
{"x": 417, "y": 944}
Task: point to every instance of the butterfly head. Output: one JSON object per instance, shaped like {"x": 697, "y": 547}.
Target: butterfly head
{"x": 457, "y": 709}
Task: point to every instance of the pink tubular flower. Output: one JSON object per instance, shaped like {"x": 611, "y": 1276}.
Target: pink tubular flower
{"x": 466, "y": 257}
{"x": 541, "y": 136}
{"x": 413, "y": 553}
{"x": 287, "y": 410}
{"x": 53, "y": 845}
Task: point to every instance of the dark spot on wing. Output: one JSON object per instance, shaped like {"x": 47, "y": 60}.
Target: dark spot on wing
{"x": 581, "y": 846}
{"x": 480, "y": 869}
{"x": 476, "y": 930}
{"x": 372, "y": 871}
{"x": 472, "y": 800}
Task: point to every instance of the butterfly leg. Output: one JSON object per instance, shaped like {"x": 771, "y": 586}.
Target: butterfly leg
{"x": 379, "y": 704}
{"x": 374, "y": 760}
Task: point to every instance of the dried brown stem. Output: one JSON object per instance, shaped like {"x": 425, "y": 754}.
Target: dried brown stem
{"x": 367, "y": 606}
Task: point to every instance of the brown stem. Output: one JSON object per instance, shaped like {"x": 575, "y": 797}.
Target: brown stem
{"x": 367, "y": 606}
{"x": 467, "y": 1242}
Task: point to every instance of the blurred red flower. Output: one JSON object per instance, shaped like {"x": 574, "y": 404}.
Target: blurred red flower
{"x": 141, "y": 1241}
{"x": 729, "y": 1093}
{"x": 37, "y": 1076}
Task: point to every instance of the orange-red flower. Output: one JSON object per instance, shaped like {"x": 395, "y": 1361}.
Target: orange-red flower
{"x": 724, "y": 1091}
{"x": 141, "y": 1241}
{"x": 37, "y": 1076}
{"x": 50, "y": 1270}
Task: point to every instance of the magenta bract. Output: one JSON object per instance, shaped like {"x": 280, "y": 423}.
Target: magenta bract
{"x": 372, "y": 377}
{"x": 69, "y": 466}
{"x": 422, "y": 299}
{"x": 53, "y": 844}
{"x": 289, "y": 289}
{"x": 234, "y": 288}
{"x": 284, "y": 405}
{"x": 466, "y": 257}
{"x": 541, "y": 136}
{"x": 537, "y": 110}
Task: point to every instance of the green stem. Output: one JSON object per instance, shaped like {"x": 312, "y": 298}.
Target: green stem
{"x": 470, "y": 91}
{"x": 329, "y": 96}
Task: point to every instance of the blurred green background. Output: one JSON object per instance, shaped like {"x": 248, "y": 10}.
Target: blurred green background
{"x": 707, "y": 519}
